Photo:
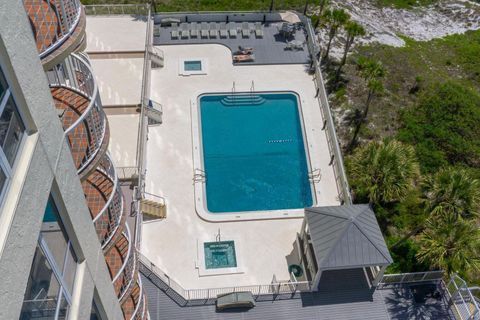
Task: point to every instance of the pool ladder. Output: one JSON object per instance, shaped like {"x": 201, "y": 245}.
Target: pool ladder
{"x": 315, "y": 175}
{"x": 199, "y": 176}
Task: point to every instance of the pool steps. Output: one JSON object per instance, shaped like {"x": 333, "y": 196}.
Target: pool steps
{"x": 233, "y": 100}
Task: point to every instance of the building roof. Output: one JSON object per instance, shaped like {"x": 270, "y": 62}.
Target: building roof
{"x": 346, "y": 237}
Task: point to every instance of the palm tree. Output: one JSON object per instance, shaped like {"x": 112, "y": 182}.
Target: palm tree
{"x": 323, "y": 4}
{"x": 452, "y": 191}
{"x": 334, "y": 19}
{"x": 371, "y": 71}
{"x": 353, "y": 30}
{"x": 383, "y": 172}
{"x": 450, "y": 244}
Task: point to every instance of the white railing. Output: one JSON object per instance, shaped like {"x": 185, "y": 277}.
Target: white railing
{"x": 208, "y": 295}
{"x": 113, "y": 9}
{"x": 463, "y": 301}
{"x": 128, "y": 267}
{"x": 75, "y": 74}
{"x": 329, "y": 125}
{"x": 110, "y": 217}
{"x": 412, "y": 277}
{"x": 62, "y": 16}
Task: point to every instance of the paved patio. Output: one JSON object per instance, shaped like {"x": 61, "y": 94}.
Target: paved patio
{"x": 268, "y": 50}
{"x": 172, "y": 243}
{"x": 115, "y": 45}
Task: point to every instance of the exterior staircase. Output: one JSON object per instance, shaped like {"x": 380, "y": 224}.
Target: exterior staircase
{"x": 242, "y": 100}
{"x": 154, "y": 112}
{"x": 153, "y": 209}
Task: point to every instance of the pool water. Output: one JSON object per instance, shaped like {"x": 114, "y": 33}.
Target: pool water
{"x": 253, "y": 152}
{"x": 193, "y": 65}
{"x": 220, "y": 254}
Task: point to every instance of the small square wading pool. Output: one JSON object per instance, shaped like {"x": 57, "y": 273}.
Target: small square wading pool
{"x": 220, "y": 254}
{"x": 254, "y": 154}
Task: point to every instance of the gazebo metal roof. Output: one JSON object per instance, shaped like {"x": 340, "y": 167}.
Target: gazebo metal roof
{"x": 346, "y": 237}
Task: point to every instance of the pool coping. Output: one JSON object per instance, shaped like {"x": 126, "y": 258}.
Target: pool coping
{"x": 198, "y": 167}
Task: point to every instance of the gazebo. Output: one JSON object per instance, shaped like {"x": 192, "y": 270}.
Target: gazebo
{"x": 340, "y": 238}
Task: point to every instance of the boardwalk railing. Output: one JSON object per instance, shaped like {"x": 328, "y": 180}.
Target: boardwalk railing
{"x": 329, "y": 126}
{"x": 462, "y": 299}
{"x": 412, "y": 277}
{"x": 458, "y": 295}
{"x": 208, "y": 296}
{"x": 117, "y": 9}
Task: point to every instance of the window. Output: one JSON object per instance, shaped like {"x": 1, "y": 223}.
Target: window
{"x": 94, "y": 314}
{"x": 50, "y": 283}
{"x": 11, "y": 133}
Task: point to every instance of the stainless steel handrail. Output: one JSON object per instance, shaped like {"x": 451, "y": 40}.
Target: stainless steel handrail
{"x": 69, "y": 13}
{"x": 114, "y": 204}
{"x": 75, "y": 74}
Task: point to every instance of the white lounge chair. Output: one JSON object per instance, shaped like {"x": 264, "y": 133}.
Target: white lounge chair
{"x": 258, "y": 30}
{"x": 232, "y": 30}
{"x": 245, "y": 30}
{"x": 223, "y": 30}
{"x": 174, "y": 31}
{"x": 213, "y": 30}
{"x": 204, "y": 30}
{"x": 184, "y": 32}
{"x": 194, "y": 30}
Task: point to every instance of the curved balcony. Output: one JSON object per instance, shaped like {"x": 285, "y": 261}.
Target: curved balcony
{"x": 134, "y": 307}
{"x": 58, "y": 27}
{"x": 121, "y": 261}
{"x": 76, "y": 97}
{"x": 105, "y": 201}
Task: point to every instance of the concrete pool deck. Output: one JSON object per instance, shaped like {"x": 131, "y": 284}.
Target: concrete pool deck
{"x": 173, "y": 243}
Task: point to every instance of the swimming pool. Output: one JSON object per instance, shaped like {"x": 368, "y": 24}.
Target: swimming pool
{"x": 253, "y": 153}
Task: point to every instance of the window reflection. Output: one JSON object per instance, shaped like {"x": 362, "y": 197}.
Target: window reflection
{"x": 52, "y": 275}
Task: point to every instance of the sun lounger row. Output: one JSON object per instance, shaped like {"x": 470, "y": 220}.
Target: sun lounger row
{"x": 214, "y": 30}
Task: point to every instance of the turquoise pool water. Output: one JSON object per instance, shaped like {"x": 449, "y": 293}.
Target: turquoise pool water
{"x": 195, "y": 65}
{"x": 220, "y": 254}
{"x": 253, "y": 152}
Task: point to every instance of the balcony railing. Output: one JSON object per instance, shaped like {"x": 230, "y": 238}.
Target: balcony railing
{"x": 139, "y": 312}
{"x": 208, "y": 296}
{"x": 126, "y": 274}
{"x": 86, "y": 133}
{"x": 108, "y": 220}
{"x": 53, "y": 22}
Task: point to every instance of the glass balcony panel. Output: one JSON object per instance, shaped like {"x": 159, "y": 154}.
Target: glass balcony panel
{"x": 42, "y": 289}
{"x": 11, "y": 130}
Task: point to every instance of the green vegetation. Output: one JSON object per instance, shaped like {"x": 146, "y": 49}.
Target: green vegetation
{"x": 382, "y": 173}
{"x": 444, "y": 127}
{"x": 431, "y": 108}
{"x": 405, "y": 4}
{"x": 211, "y": 5}
{"x": 412, "y": 70}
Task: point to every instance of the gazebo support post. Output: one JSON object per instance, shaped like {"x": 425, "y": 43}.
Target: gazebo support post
{"x": 379, "y": 276}
{"x": 316, "y": 280}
